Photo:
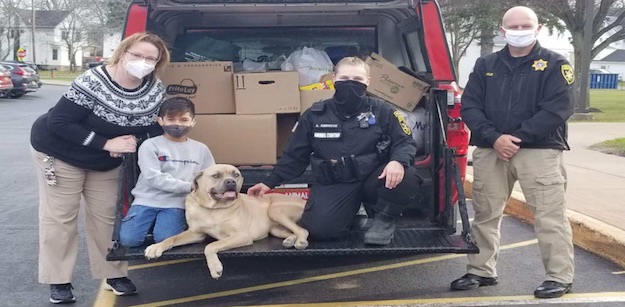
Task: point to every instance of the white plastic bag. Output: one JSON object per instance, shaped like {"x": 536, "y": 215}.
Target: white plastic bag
{"x": 418, "y": 122}
{"x": 310, "y": 63}
{"x": 253, "y": 66}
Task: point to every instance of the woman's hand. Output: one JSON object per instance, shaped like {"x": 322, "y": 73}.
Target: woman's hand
{"x": 121, "y": 144}
{"x": 394, "y": 173}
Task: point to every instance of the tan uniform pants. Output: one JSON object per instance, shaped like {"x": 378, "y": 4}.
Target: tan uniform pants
{"x": 58, "y": 221}
{"x": 542, "y": 177}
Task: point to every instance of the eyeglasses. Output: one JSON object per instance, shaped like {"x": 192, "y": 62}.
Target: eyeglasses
{"x": 148, "y": 59}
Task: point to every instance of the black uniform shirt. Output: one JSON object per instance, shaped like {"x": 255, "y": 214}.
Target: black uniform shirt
{"x": 529, "y": 97}
{"x": 330, "y": 135}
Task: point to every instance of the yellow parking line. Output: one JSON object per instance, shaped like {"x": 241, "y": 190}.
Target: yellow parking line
{"x": 160, "y": 263}
{"x": 498, "y": 300}
{"x": 319, "y": 278}
{"x": 104, "y": 298}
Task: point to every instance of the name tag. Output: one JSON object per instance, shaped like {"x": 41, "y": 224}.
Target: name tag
{"x": 327, "y": 135}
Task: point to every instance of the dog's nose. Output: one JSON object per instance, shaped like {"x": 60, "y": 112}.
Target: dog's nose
{"x": 230, "y": 183}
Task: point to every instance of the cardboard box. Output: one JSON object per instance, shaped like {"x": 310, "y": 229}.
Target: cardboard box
{"x": 307, "y": 98}
{"x": 286, "y": 122}
{"x": 267, "y": 92}
{"x": 393, "y": 85}
{"x": 238, "y": 139}
{"x": 207, "y": 84}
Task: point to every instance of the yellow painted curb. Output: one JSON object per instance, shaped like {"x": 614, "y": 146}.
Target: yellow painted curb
{"x": 589, "y": 234}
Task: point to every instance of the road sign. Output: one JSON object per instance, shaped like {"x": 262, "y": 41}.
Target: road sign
{"x": 21, "y": 53}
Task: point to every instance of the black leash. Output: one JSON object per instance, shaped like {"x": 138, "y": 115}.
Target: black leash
{"x": 462, "y": 205}
{"x": 127, "y": 180}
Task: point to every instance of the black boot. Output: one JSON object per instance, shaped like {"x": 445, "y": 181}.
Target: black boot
{"x": 381, "y": 232}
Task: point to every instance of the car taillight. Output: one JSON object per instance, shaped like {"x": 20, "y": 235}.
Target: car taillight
{"x": 19, "y": 71}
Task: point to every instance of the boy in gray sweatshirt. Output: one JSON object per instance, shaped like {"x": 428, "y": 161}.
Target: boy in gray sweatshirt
{"x": 168, "y": 165}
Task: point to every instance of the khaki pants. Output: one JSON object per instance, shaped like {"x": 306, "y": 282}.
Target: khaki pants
{"x": 58, "y": 221}
{"x": 542, "y": 177}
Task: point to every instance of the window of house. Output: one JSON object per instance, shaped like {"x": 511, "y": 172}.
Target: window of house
{"x": 64, "y": 34}
{"x": 55, "y": 54}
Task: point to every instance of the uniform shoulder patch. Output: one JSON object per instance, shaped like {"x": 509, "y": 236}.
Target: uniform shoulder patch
{"x": 568, "y": 74}
{"x": 402, "y": 122}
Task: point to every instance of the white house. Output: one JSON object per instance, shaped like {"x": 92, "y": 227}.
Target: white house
{"x": 50, "y": 49}
{"x": 613, "y": 62}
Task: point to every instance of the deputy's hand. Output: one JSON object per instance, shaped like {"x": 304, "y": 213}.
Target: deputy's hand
{"x": 505, "y": 146}
{"x": 258, "y": 190}
{"x": 121, "y": 144}
{"x": 394, "y": 173}
{"x": 116, "y": 154}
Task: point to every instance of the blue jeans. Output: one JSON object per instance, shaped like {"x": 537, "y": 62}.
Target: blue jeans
{"x": 139, "y": 220}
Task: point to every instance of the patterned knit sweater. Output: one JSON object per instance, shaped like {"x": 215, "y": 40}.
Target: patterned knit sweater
{"x": 94, "y": 109}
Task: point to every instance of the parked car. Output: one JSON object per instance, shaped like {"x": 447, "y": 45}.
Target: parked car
{"x": 6, "y": 85}
{"x": 95, "y": 64}
{"x": 34, "y": 73}
{"x": 407, "y": 33}
{"x": 24, "y": 78}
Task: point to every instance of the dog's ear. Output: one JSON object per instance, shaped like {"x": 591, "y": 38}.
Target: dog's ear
{"x": 195, "y": 185}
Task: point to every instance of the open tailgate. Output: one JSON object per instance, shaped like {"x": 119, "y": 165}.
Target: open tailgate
{"x": 410, "y": 238}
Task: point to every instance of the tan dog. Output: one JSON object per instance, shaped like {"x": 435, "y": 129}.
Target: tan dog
{"x": 215, "y": 207}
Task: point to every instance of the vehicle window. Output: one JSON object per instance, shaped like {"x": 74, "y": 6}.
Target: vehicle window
{"x": 3, "y": 69}
{"x": 415, "y": 53}
{"x": 272, "y": 44}
{"x": 28, "y": 70}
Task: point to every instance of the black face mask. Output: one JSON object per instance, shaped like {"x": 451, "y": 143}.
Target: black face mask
{"x": 349, "y": 96}
{"x": 176, "y": 131}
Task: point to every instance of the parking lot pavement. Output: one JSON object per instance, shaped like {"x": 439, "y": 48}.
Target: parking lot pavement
{"x": 370, "y": 281}
{"x": 303, "y": 281}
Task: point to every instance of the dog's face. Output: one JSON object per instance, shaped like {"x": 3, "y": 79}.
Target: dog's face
{"x": 217, "y": 186}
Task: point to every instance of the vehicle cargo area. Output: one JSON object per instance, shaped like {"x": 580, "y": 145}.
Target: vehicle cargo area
{"x": 215, "y": 45}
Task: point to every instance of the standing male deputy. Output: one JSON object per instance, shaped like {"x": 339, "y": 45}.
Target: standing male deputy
{"x": 516, "y": 103}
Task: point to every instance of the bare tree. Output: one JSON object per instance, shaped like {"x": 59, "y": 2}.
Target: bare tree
{"x": 608, "y": 27}
{"x": 461, "y": 27}
{"x": 9, "y": 28}
{"x": 467, "y": 21}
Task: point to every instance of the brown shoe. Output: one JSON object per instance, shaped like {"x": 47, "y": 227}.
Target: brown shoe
{"x": 472, "y": 281}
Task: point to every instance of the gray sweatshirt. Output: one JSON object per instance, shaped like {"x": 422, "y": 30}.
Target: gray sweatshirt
{"x": 167, "y": 171}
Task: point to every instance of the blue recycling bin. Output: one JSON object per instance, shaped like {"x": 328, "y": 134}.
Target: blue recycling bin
{"x": 603, "y": 80}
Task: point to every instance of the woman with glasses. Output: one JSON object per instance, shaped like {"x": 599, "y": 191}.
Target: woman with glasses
{"x": 77, "y": 147}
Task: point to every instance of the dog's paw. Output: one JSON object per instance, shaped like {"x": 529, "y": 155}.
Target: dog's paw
{"x": 216, "y": 269}
{"x": 289, "y": 241}
{"x": 153, "y": 251}
{"x": 301, "y": 244}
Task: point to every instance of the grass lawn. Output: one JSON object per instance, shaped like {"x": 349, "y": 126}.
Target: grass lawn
{"x": 608, "y": 105}
{"x": 615, "y": 147}
{"x": 60, "y": 75}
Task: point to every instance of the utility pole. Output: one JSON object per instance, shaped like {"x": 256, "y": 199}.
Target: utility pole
{"x": 32, "y": 2}
{"x": 582, "y": 102}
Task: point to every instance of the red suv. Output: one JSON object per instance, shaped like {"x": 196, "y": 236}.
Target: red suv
{"x": 409, "y": 34}
{"x": 6, "y": 85}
